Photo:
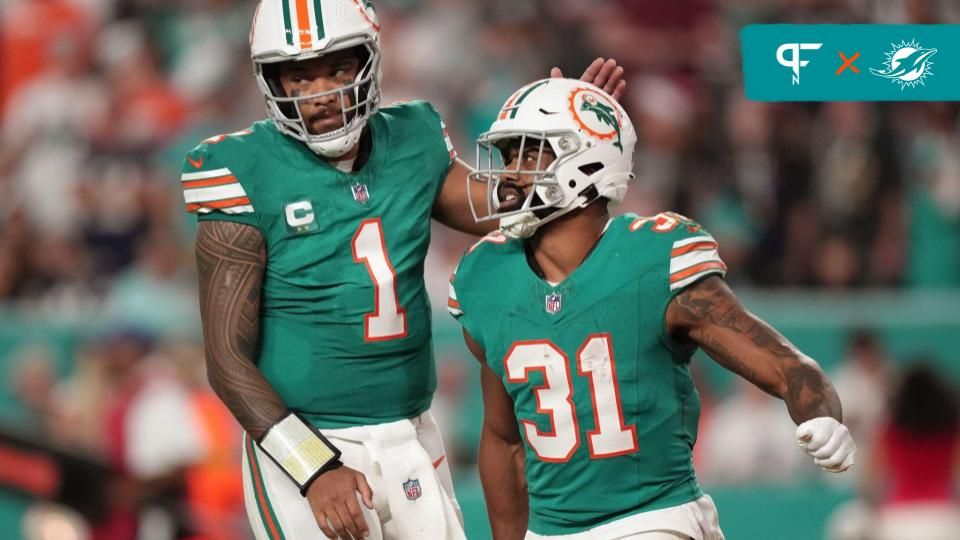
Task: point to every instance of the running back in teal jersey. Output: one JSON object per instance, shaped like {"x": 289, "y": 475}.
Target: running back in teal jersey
{"x": 345, "y": 318}
{"x": 604, "y": 399}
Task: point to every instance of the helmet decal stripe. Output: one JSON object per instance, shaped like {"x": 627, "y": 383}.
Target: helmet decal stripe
{"x": 368, "y": 12}
{"x": 509, "y": 104}
{"x": 288, "y": 26}
{"x": 523, "y": 96}
{"x": 318, "y": 15}
{"x": 303, "y": 25}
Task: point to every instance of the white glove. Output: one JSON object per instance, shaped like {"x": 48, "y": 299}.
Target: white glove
{"x": 828, "y": 442}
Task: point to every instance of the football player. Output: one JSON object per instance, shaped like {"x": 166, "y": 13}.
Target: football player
{"x": 585, "y": 324}
{"x": 313, "y": 230}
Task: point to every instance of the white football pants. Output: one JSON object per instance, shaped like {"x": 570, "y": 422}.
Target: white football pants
{"x": 695, "y": 520}
{"x": 404, "y": 463}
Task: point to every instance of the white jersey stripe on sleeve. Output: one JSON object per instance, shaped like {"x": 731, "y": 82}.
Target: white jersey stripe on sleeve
{"x": 446, "y": 139}
{"x": 690, "y": 279}
{"x": 693, "y": 258}
{"x": 203, "y": 175}
{"x": 693, "y": 240}
{"x": 214, "y": 193}
{"x": 242, "y": 209}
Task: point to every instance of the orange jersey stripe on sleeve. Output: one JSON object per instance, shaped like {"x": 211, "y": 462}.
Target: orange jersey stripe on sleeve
{"x": 219, "y": 205}
{"x": 696, "y": 269}
{"x": 219, "y": 181}
{"x": 693, "y": 247}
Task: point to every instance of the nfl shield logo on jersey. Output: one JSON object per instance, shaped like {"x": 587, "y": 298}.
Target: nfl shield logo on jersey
{"x": 360, "y": 193}
{"x": 553, "y": 303}
{"x": 412, "y": 489}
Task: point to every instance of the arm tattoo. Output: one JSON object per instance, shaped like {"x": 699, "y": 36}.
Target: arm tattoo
{"x": 810, "y": 394}
{"x": 713, "y": 301}
{"x": 231, "y": 258}
{"x": 710, "y": 315}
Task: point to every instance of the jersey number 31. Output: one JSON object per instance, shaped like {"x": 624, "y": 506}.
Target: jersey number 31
{"x": 610, "y": 437}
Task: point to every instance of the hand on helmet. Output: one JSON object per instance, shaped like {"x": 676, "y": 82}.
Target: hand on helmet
{"x": 605, "y": 74}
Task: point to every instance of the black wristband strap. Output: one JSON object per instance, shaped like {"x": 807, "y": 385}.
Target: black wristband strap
{"x": 332, "y": 466}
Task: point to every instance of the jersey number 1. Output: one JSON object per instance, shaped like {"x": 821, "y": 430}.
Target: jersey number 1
{"x": 388, "y": 320}
{"x": 610, "y": 437}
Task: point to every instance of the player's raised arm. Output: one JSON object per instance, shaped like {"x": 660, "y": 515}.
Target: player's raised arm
{"x": 708, "y": 314}
{"x": 501, "y": 455}
{"x": 452, "y": 207}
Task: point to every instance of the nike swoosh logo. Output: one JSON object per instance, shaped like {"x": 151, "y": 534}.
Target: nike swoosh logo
{"x": 197, "y": 163}
{"x": 439, "y": 461}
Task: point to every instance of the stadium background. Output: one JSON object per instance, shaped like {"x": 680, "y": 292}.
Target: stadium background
{"x": 840, "y": 223}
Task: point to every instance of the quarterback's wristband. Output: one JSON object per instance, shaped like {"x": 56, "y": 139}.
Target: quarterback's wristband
{"x": 301, "y": 451}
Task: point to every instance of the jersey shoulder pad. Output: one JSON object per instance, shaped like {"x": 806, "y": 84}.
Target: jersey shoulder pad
{"x": 481, "y": 258}
{"x": 413, "y": 117}
{"x": 676, "y": 243}
{"x": 417, "y": 109}
{"x": 213, "y": 176}
{"x": 488, "y": 250}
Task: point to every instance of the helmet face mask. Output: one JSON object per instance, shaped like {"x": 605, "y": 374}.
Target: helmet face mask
{"x": 287, "y": 31}
{"x": 539, "y": 182}
{"x": 583, "y": 126}
{"x": 357, "y": 101}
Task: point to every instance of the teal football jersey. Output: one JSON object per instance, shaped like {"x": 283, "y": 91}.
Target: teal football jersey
{"x": 345, "y": 335}
{"x": 603, "y": 396}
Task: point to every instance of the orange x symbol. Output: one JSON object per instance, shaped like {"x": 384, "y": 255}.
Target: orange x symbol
{"x": 848, "y": 62}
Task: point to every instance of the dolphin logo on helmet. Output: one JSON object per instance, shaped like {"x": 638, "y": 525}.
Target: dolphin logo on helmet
{"x": 605, "y": 114}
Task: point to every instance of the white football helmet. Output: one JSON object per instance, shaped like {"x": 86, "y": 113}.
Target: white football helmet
{"x": 295, "y": 30}
{"x": 588, "y": 132}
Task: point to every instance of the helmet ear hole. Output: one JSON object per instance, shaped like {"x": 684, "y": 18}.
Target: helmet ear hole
{"x": 590, "y": 168}
{"x": 590, "y": 192}
{"x": 365, "y": 61}
{"x": 271, "y": 74}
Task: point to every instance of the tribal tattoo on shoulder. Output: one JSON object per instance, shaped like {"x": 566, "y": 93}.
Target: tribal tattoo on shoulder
{"x": 231, "y": 258}
{"x": 712, "y": 317}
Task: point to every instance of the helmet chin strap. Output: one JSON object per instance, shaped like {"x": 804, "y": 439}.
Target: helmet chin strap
{"x": 336, "y": 147}
{"x": 324, "y": 149}
{"x": 519, "y": 225}
{"x": 525, "y": 224}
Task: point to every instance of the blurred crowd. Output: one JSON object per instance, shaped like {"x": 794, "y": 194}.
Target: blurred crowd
{"x": 905, "y": 418}
{"x": 100, "y": 99}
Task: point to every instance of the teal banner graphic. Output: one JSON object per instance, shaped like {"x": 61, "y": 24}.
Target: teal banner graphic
{"x": 851, "y": 62}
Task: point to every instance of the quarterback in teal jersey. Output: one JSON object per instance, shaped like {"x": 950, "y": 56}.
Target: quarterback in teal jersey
{"x": 314, "y": 225}
{"x": 584, "y": 326}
